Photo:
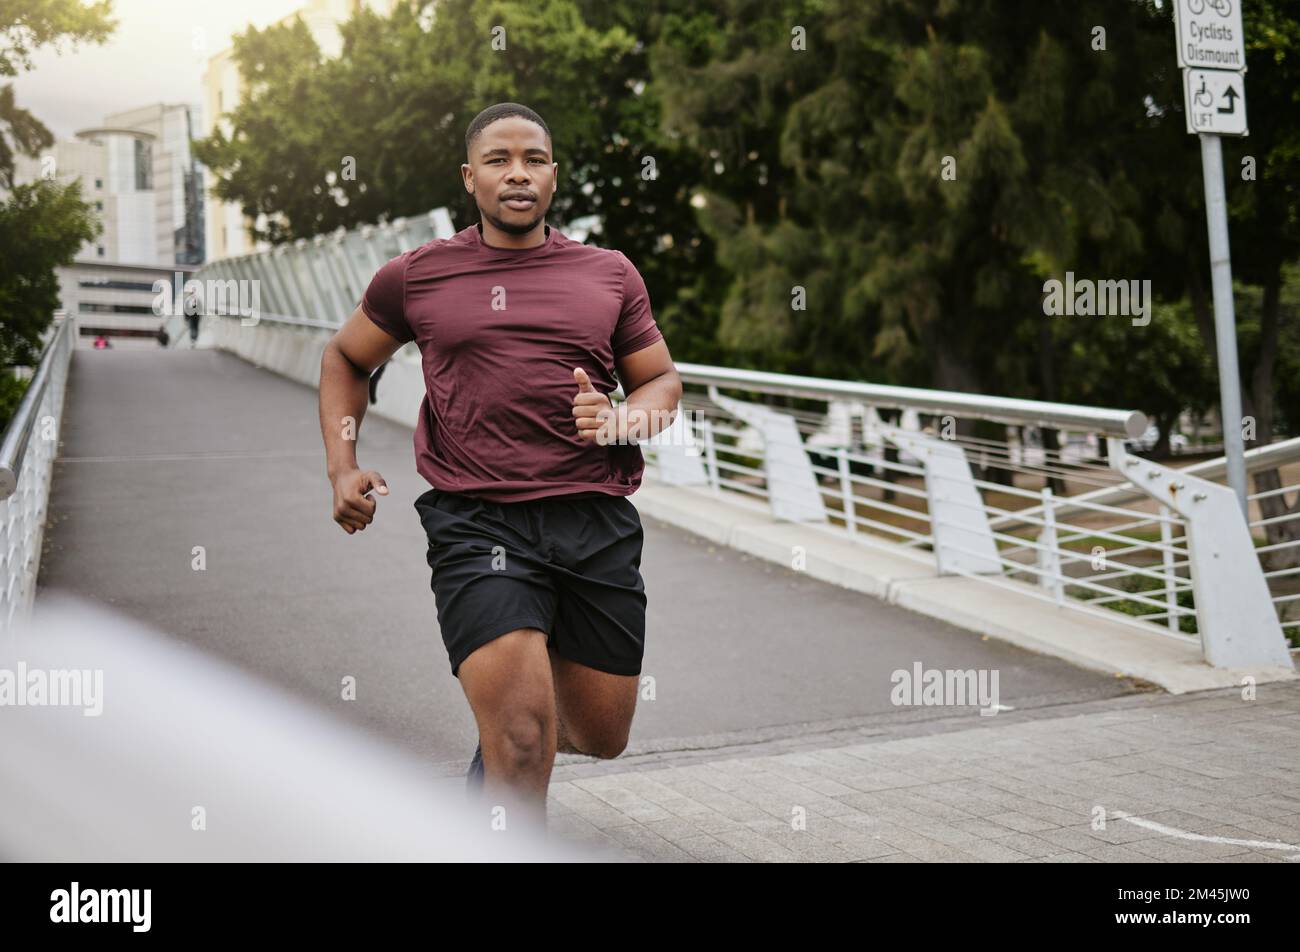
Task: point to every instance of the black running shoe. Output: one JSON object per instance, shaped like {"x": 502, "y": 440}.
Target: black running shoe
{"x": 474, "y": 776}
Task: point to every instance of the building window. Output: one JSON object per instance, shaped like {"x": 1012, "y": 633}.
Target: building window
{"x": 101, "y": 284}
{"x": 90, "y": 307}
{"x": 99, "y": 183}
{"x": 143, "y": 166}
{"x": 99, "y": 206}
{"x": 100, "y": 251}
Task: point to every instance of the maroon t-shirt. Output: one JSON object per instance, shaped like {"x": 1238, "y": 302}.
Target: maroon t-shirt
{"x": 501, "y": 331}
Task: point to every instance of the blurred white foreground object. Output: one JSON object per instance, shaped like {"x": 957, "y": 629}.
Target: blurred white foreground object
{"x": 180, "y": 734}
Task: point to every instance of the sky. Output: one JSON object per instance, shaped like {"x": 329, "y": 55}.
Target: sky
{"x": 149, "y": 58}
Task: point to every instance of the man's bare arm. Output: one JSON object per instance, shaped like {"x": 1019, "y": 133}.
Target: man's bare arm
{"x": 350, "y": 357}
{"x": 653, "y": 390}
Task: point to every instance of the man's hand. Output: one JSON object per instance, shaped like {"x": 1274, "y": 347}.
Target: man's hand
{"x": 597, "y": 421}
{"x": 353, "y": 508}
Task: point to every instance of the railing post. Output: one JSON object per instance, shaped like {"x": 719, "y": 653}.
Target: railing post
{"x": 278, "y": 258}
{"x": 370, "y": 240}
{"x": 300, "y": 261}
{"x": 792, "y": 489}
{"x": 959, "y": 523}
{"x": 710, "y": 454}
{"x": 846, "y": 489}
{"x": 677, "y": 455}
{"x": 1171, "y": 593}
{"x": 1049, "y": 557}
{"x": 1238, "y": 625}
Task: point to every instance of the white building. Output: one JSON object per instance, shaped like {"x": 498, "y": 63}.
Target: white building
{"x": 177, "y": 179}
{"x": 145, "y": 190}
{"x": 137, "y": 173}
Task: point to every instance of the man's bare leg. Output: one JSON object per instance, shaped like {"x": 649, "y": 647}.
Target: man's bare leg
{"x": 593, "y": 709}
{"x": 528, "y": 701}
{"x": 563, "y": 744}
{"x": 509, "y": 686}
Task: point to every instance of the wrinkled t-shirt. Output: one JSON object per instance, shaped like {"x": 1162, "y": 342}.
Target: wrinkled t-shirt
{"x": 500, "y": 332}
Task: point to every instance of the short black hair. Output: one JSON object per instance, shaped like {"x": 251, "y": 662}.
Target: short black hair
{"x": 500, "y": 111}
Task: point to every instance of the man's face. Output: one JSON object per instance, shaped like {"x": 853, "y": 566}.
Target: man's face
{"x": 511, "y": 175}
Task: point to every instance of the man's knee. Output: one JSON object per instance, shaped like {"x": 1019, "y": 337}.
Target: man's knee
{"x": 521, "y": 738}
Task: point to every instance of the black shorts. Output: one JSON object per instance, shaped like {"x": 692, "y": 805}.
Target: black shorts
{"x": 569, "y": 565}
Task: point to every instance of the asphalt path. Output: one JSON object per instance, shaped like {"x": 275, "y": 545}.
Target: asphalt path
{"x": 169, "y": 456}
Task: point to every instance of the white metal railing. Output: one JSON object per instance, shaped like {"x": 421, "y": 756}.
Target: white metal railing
{"x": 328, "y": 274}
{"x": 27, "y": 452}
{"x": 1114, "y": 536}
{"x": 889, "y": 499}
{"x": 1277, "y": 527}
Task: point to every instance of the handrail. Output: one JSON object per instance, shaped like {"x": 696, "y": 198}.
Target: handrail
{"x": 19, "y": 431}
{"x": 1132, "y": 423}
{"x": 1129, "y": 423}
{"x": 1257, "y": 458}
{"x": 287, "y": 319}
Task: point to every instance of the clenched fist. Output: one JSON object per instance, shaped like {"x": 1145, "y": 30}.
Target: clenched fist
{"x": 354, "y": 509}
{"x": 595, "y": 415}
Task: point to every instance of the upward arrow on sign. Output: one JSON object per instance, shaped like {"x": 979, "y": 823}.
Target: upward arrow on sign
{"x": 1231, "y": 96}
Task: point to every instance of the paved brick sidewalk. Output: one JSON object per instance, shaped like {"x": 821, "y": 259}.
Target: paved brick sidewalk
{"x": 1209, "y": 764}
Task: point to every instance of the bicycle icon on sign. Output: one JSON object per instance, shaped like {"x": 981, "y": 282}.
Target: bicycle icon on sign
{"x": 1222, "y": 7}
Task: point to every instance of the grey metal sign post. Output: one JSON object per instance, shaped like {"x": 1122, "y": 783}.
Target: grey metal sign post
{"x": 1212, "y": 52}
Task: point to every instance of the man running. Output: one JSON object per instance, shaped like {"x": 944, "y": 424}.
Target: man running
{"x": 534, "y": 548}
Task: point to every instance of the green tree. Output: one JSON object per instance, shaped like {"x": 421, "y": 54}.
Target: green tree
{"x": 26, "y": 25}
{"x": 918, "y": 169}
{"x": 1169, "y": 372}
{"x": 727, "y": 78}
{"x": 41, "y": 226}
{"x": 395, "y": 105}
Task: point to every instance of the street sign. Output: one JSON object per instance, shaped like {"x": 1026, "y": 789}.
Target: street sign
{"x": 1209, "y": 34}
{"x": 1212, "y": 53}
{"x": 1215, "y": 101}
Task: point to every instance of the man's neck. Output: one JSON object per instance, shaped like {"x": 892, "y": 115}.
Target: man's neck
{"x": 496, "y": 238}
